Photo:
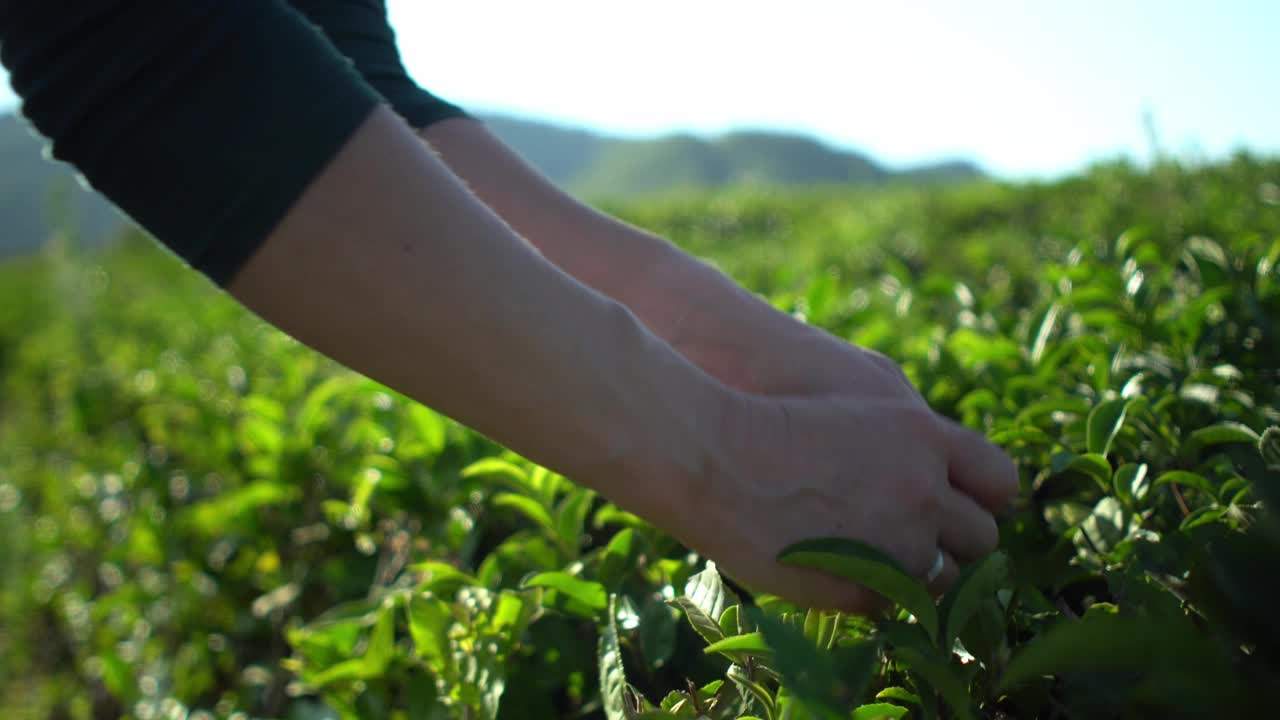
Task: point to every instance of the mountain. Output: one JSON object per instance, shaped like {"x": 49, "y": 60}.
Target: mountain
{"x": 592, "y": 165}
{"x": 38, "y": 196}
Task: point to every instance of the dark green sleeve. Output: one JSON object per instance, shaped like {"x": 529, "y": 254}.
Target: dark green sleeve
{"x": 203, "y": 120}
{"x": 361, "y": 31}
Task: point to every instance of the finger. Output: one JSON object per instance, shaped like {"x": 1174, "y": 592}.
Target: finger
{"x": 894, "y": 370}
{"x": 980, "y": 469}
{"x": 947, "y": 577}
{"x": 966, "y": 529}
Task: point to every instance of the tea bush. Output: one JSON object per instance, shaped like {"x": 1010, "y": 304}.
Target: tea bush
{"x": 199, "y": 518}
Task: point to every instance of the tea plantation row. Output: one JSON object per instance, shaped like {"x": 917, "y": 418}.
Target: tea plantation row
{"x": 199, "y": 518}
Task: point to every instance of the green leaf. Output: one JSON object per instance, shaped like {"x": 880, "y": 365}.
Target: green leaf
{"x": 498, "y": 469}
{"x": 813, "y": 627}
{"x": 1041, "y": 408}
{"x": 213, "y": 516}
{"x": 1027, "y": 435}
{"x": 1220, "y": 434}
{"x": 976, "y": 585}
{"x": 1234, "y": 574}
{"x": 529, "y": 507}
{"x": 1047, "y": 325}
{"x": 1269, "y": 447}
{"x": 1202, "y": 516}
{"x": 1091, "y": 465}
{"x": 738, "y": 646}
{"x": 1106, "y": 525}
{"x": 613, "y": 677}
{"x": 1126, "y": 478}
{"x": 827, "y": 682}
{"x": 1118, "y": 643}
{"x": 729, "y": 621}
{"x": 545, "y": 485}
{"x": 116, "y": 675}
{"x": 610, "y": 514}
{"x": 429, "y": 621}
{"x": 382, "y": 643}
{"x": 1105, "y": 422}
{"x": 510, "y": 616}
{"x": 707, "y": 591}
{"x": 867, "y": 566}
{"x": 618, "y": 557}
{"x": 658, "y": 624}
{"x": 353, "y": 669}
{"x": 704, "y": 601}
{"x": 942, "y": 678}
{"x": 1187, "y": 479}
{"x": 702, "y": 623}
{"x": 900, "y": 694}
{"x": 430, "y": 429}
{"x": 571, "y": 514}
{"x": 591, "y": 594}
{"x": 378, "y": 654}
{"x": 673, "y": 699}
{"x": 442, "y": 579}
{"x": 878, "y": 711}
{"x": 1264, "y": 483}
{"x": 754, "y": 689}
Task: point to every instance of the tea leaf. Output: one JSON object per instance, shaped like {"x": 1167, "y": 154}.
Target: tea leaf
{"x": 613, "y": 677}
{"x": 617, "y": 557}
{"x": 571, "y": 514}
{"x": 826, "y": 682}
{"x": 878, "y": 711}
{"x": 941, "y": 677}
{"x": 867, "y": 566}
{"x": 1116, "y": 643}
{"x": 704, "y": 601}
{"x": 738, "y": 646}
{"x": 1269, "y": 447}
{"x": 1091, "y": 465}
{"x": 976, "y": 585}
{"x": 591, "y": 594}
{"x": 1105, "y": 422}
{"x": 528, "y": 507}
{"x": 1220, "y": 434}
{"x": 1126, "y": 478}
{"x": 429, "y": 623}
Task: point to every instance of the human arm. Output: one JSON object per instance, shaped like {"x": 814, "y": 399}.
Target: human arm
{"x": 708, "y": 318}
{"x": 723, "y": 328}
{"x": 354, "y": 238}
{"x": 390, "y": 266}
{"x": 442, "y": 301}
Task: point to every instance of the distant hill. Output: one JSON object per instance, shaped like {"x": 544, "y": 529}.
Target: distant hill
{"x": 592, "y": 165}
{"x": 33, "y": 190}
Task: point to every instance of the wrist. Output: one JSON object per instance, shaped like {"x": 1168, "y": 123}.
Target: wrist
{"x": 666, "y": 442}
{"x": 724, "y": 329}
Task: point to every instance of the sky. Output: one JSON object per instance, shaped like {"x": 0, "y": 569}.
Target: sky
{"x": 1026, "y": 88}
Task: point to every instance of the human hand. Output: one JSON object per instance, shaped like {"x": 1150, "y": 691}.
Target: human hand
{"x": 881, "y": 468}
{"x": 800, "y": 359}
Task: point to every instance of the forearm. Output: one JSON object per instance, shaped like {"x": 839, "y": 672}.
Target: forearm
{"x": 703, "y": 314}
{"x": 390, "y": 266}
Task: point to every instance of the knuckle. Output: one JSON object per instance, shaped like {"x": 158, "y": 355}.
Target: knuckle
{"x": 924, "y": 497}
{"x": 920, "y": 420}
{"x": 887, "y": 364}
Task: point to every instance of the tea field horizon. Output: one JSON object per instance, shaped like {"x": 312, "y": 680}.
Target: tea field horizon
{"x": 200, "y": 518}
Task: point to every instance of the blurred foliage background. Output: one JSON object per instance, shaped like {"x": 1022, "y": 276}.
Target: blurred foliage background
{"x": 201, "y": 518}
